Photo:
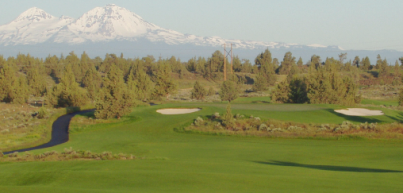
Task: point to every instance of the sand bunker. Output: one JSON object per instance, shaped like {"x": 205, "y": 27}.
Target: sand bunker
{"x": 177, "y": 111}
{"x": 359, "y": 112}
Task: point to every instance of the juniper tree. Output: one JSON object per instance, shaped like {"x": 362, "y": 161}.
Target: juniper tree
{"x": 36, "y": 81}
{"x": 114, "y": 99}
{"x": 228, "y": 91}
{"x": 211, "y": 92}
{"x": 68, "y": 92}
{"x": 287, "y": 63}
{"x": 228, "y": 118}
{"x": 198, "y": 92}
{"x": 92, "y": 82}
{"x": 281, "y": 93}
{"x": 20, "y": 91}
{"x": 300, "y": 63}
{"x": 164, "y": 84}
{"x": 260, "y": 83}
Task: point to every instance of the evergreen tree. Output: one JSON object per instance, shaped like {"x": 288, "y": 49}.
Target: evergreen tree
{"x": 397, "y": 69}
{"x": 114, "y": 99}
{"x": 228, "y": 118}
{"x": 287, "y": 63}
{"x": 68, "y": 92}
{"x": 164, "y": 84}
{"x": 298, "y": 91}
{"x": 20, "y": 91}
{"x": 228, "y": 91}
{"x": 91, "y": 81}
{"x": 401, "y": 97}
{"x": 300, "y": 63}
{"x": 211, "y": 92}
{"x": 198, "y": 92}
{"x": 260, "y": 83}
{"x": 280, "y": 94}
{"x": 36, "y": 81}
{"x": 365, "y": 64}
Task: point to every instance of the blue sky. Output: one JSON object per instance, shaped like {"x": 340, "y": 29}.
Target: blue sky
{"x": 351, "y": 24}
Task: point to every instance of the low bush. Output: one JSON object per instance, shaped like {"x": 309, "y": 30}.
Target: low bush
{"x": 257, "y": 127}
{"x": 66, "y": 155}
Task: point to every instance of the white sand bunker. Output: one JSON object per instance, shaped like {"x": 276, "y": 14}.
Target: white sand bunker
{"x": 359, "y": 112}
{"x": 177, "y": 111}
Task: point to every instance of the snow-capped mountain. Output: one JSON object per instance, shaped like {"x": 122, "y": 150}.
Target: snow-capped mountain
{"x": 31, "y": 27}
{"x": 113, "y": 29}
{"x": 103, "y": 24}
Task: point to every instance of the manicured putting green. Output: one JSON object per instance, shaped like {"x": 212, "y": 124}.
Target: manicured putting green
{"x": 177, "y": 162}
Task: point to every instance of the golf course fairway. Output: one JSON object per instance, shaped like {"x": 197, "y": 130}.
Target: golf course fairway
{"x": 170, "y": 161}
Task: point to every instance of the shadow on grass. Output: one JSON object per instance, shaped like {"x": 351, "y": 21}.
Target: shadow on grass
{"x": 356, "y": 118}
{"x": 328, "y": 167}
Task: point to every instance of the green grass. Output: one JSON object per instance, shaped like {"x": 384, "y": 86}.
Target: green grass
{"x": 252, "y": 100}
{"x": 179, "y": 162}
{"x": 380, "y": 102}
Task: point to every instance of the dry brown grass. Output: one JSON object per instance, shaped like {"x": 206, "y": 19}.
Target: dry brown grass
{"x": 19, "y": 124}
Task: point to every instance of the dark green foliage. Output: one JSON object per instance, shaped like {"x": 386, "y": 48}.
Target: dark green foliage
{"x": 298, "y": 91}
{"x": 114, "y": 99}
{"x": 229, "y": 91}
{"x": 198, "y": 92}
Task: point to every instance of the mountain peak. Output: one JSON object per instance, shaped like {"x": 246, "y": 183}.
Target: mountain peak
{"x": 34, "y": 14}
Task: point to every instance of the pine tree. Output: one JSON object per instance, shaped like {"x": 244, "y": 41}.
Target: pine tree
{"x": 198, "y": 92}
{"x": 228, "y": 91}
{"x": 114, "y": 99}
{"x": 260, "y": 83}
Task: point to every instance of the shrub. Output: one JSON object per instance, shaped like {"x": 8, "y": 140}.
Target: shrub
{"x": 1, "y": 154}
{"x": 198, "y": 121}
{"x": 42, "y": 113}
{"x": 262, "y": 127}
{"x": 216, "y": 115}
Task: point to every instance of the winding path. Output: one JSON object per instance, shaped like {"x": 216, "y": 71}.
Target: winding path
{"x": 60, "y": 132}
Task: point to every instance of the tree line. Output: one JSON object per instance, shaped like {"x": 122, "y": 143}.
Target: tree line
{"x": 115, "y": 84}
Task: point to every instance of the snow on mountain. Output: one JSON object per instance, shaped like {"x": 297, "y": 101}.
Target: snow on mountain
{"x": 31, "y": 27}
{"x": 104, "y": 24}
